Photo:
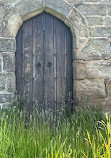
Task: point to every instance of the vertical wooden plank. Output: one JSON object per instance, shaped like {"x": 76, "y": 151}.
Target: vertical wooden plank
{"x": 60, "y": 50}
{"x": 18, "y": 62}
{"x": 27, "y": 62}
{"x": 69, "y": 71}
{"x": 49, "y": 60}
{"x": 38, "y": 25}
{"x": 55, "y": 67}
{"x": 44, "y": 72}
{"x": 65, "y": 28}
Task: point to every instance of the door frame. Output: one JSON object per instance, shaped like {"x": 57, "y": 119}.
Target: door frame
{"x": 26, "y": 9}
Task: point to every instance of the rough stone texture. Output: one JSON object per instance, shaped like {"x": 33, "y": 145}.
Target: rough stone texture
{"x": 90, "y": 24}
{"x": 95, "y": 21}
{"x": 10, "y": 20}
{"x": 92, "y": 9}
{"x": 3, "y": 13}
{"x": 2, "y": 82}
{"x": 100, "y": 31}
{"x": 10, "y": 80}
{"x": 7, "y": 45}
{"x": 79, "y": 23}
{"x": 89, "y": 1}
{"x": 93, "y": 89}
{"x": 0, "y": 63}
{"x": 75, "y": 2}
{"x": 6, "y": 98}
{"x": 80, "y": 29}
{"x": 98, "y": 1}
{"x": 8, "y": 62}
{"x": 7, "y": 82}
{"x": 99, "y": 103}
{"x": 109, "y": 9}
{"x": 98, "y": 69}
{"x": 14, "y": 21}
{"x": 96, "y": 49}
{"x": 26, "y": 7}
{"x": 61, "y": 6}
{"x": 108, "y": 21}
{"x": 107, "y": 107}
{"x": 79, "y": 70}
{"x": 108, "y": 85}
{"x": 5, "y": 105}
{"x": 13, "y": 2}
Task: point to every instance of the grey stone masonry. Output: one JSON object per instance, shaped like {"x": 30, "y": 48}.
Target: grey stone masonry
{"x": 93, "y": 9}
{"x": 7, "y": 44}
{"x": 90, "y": 25}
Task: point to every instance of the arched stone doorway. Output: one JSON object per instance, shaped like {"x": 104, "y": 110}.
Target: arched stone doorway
{"x": 18, "y": 11}
{"x": 44, "y": 63}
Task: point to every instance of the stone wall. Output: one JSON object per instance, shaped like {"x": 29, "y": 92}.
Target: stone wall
{"x": 92, "y": 65}
{"x": 90, "y": 23}
{"x": 7, "y": 71}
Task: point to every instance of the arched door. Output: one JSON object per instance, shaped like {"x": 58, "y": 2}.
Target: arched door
{"x": 44, "y": 73}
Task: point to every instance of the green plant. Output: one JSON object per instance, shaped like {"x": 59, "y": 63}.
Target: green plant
{"x": 85, "y": 134}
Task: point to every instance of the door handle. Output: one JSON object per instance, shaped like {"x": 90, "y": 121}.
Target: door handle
{"x": 49, "y": 64}
{"x": 38, "y": 65}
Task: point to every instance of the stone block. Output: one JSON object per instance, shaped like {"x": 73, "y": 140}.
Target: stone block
{"x": 100, "y": 31}
{"x": 6, "y": 98}
{"x": 0, "y": 63}
{"x": 3, "y": 29}
{"x": 92, "y": 9}
{"x": 107, "y": 108}
{"x": 95, "y": 103}
{"x": 2, "y": 82}
{"x": 10, "y": 21}
{"x": 11, "y": 2}
{"x": 98, "y": 103}
{"x": 7, "y": 45}
{"x": 79, "y": 23}
{"x": 108, "y": 86}
{"x": 5, "y": 105}
{"x": 96, "y": 49}
{"x": 7, "y": 82}
{"x": 98, "y": 69}
{"x": 91, "y": 89}
{"x": 8, "y": 62}
{"x": 79, "y": 70}
{"x": 59, "y": 6}
{"x": 14, "y": 21}
{"x": 75, "y": 2}
{"x": 10, "y": 82}
{"x": 107, "y": 21}
{"x": 109, "y": 9}
{"x": 97, "y": 1}
{"x": 26, "y": 8}
{"x": 2, "y": 11}
{"x": 94, "y": 21}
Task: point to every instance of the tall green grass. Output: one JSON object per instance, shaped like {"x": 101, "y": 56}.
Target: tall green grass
{"x": 84, "y": 134}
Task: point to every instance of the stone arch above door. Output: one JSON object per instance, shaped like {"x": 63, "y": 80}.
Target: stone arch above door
{"x": 12, "y": 15}
{"x": 92, "y": 51}
{"x": 44, "y": 65}
{"x": 17, "y": 11}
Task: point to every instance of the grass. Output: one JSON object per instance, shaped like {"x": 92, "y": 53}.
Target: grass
{"x": 86, "y": 134}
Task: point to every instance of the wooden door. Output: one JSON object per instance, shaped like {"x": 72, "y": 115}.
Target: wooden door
{"x": 44, "y": 73}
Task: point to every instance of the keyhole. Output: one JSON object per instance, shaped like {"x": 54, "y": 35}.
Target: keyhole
{"x": 38, "y": 65}
{"x": 49, "y": 64}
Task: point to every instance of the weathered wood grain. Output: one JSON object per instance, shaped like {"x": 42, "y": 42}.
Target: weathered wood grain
{"x": 44, "y": 73}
